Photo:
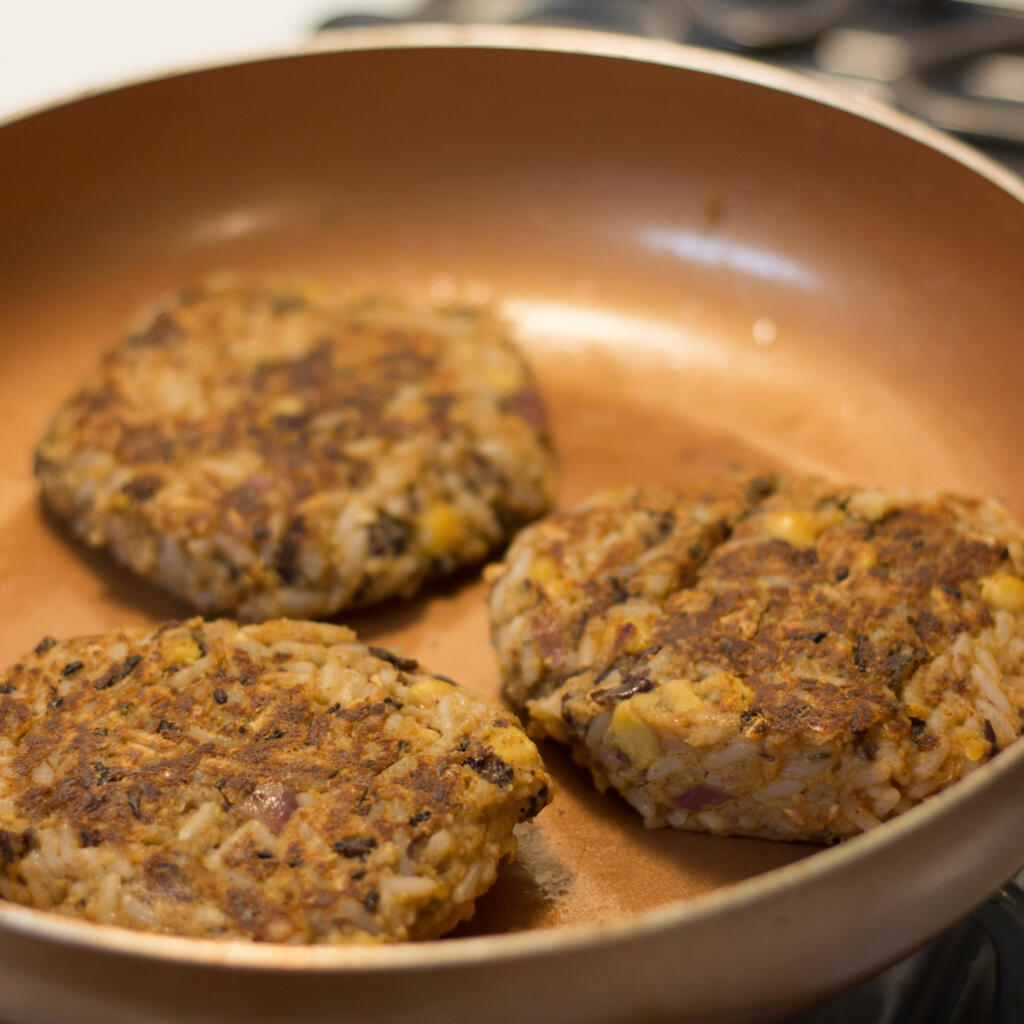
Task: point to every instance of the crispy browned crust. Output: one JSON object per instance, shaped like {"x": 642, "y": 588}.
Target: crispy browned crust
{"x": 633, "y": 543}
{"x": 861, "y": 609}
{"x": 140, "y": 730}
{"x": 266, "y": 449}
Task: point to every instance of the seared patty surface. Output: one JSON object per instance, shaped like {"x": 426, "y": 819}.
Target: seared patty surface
{"x": 278, "y": 782}
{"x": 273, "y": 450}
{"x": 764, "y": 656}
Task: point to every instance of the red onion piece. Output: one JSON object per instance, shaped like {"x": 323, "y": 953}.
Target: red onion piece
{"x": 273, "y": 803}
{"x": 700, "y": 798}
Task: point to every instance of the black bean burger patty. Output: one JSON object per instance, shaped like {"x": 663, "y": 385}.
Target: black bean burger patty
{"x": 268, "y": 450}
{"x": 278, "y": 782}
{"x": 774, "y": 657}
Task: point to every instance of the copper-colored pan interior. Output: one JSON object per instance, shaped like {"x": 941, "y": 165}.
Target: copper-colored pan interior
{"x": 702, "y": 272}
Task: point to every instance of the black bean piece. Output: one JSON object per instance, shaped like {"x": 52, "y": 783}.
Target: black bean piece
{"x": 133, "y": 803}
{"x": 115, "y": 675}
{"x": 355, "y": 847}
{"x": 291, "y": 421}
{"x": 535, "y": 804}
{"x": 142, "y": 488}
{"x": 664, "y": 524}
{"x": 759, "y": 488}
{"x": 287, "y": 553}
{"x": 388, "y": 535}
{"x": 492, "y": 768}
{"x": 860, "y": 653}
{"x": 12, "y": 846}
{"x": 628, "y": 687}
{"x": 162, "y": 331}
{"x": 990, "y": 735}
{"x": 402, "y": 664}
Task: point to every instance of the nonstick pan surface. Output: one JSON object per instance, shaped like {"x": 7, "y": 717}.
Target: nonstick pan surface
{"x": 709, "y": 263}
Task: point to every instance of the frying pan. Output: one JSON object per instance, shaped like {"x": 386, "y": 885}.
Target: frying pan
{"x": 708, "y": 262}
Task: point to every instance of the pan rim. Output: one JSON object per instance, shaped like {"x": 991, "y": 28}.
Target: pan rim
{"x": 579, "y": 42}
{"x": 760, "y": 889}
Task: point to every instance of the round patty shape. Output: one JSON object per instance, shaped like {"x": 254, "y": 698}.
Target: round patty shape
{"x": 278, "y": 782}
{"x": 782, "y": 658}
{"x": 274, "y": 451}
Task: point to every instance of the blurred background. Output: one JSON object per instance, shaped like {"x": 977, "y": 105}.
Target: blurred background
{"x": 954, "y": 63}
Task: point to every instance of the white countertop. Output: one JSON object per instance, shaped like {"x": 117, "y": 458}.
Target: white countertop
{"x": 51, "y": 49}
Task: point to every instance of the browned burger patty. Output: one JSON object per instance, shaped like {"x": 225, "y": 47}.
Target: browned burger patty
{"x": 278, "y": 782}
{"x": 270, "y": 450}
{"x": 770, "y": 657}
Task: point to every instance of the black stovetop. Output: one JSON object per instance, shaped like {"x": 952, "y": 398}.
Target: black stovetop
{"x": 972, "y": 974}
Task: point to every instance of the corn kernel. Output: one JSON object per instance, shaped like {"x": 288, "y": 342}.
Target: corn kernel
{"x": 440, "y": 529}
{"x": 181, "y": 650}
{"x": 976, "y": 748}
{"x": 633, "y": 736}
{"x": 426, "y": 692}
{"x": 503, "y": 378}
{"x": 1003, "y": 591}
{"x": 545, "y": 573}
{"x": 512, "y": 746}
{"x": 679, "y": 696}
{"x": 796, "y": 528}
